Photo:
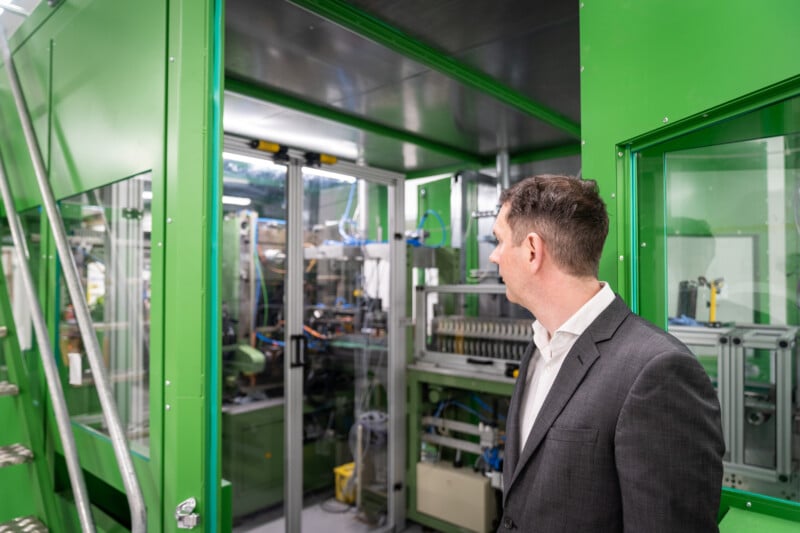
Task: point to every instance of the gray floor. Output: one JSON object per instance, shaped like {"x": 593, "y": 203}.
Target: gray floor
{"x": 329, "y": 516}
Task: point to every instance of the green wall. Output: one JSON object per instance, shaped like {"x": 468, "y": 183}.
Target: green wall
{"x": 648, "y": 65}
{"x": 116, "y": 89}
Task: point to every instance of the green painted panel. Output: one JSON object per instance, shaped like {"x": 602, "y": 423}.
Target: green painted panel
{"x": 733, "y": 499}
{"x": 191, "y": 263}
{"x": 32, "y": 64}
{"x": 644, "y": 62}
{"x": 16, "y": 489}
{"x": 108, "y": 93}
{"x": 740, "y": 521}
{"x": 434, "y": 198}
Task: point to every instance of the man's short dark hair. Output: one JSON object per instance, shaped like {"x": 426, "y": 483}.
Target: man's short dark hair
{"x": 567, "y": 213}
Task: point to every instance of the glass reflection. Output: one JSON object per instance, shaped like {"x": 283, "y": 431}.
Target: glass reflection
{"x": 730, "y": 227}
{"x": 108, "y": 230}
{"x": 344, "y": 306}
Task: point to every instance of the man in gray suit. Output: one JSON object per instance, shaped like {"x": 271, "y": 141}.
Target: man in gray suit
{"x": 613, "y": 425}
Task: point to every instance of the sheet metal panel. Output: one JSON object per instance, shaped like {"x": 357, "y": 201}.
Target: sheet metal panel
{"x": 530, "y": 48}
{"x": 252, "y": 118}
{"x": 283, "y": 46}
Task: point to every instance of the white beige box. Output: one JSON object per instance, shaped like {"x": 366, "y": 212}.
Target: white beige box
{"x": 456, "y": 495}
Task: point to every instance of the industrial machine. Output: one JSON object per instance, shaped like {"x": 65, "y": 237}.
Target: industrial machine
{"x": 468, "y": 342}
{"x": 754, "y": 369}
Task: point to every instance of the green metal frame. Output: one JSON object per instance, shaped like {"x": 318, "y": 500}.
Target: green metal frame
{"x": 696, "y": 131}
{"x": 193, "y": 169}
{"x": 382, "y": 33}
{"x": 758, "y": 503}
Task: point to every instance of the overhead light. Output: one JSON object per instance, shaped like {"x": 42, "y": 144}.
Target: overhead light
{"x": 227, "y": 200}
{"x": 247, "y": 159}
{"x": 328, "y": 174}
{"x": 236, "y": 200}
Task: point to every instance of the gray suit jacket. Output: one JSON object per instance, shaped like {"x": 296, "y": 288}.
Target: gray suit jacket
{"x": 628, "y": 439}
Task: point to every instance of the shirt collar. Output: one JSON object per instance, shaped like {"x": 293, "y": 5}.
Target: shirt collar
{"x": 577, "y": 323}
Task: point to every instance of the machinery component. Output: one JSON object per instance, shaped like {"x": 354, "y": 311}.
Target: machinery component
{"x": 754, "y": 378}
{"x": 491, "y": 343}
{"x": 185, "y": 515}
{"x": 714, "y": 288}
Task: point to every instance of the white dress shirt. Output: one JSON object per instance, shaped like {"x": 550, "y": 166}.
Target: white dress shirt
{"x": 550, "y": 354}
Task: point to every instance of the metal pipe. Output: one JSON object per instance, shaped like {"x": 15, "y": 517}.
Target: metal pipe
{"x": 503, "y": 171}
{"x": 77, "y": 295}
{"x": 48, "y": 360}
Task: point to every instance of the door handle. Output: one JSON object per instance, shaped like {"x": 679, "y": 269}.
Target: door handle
{"x": 299, "y": 343}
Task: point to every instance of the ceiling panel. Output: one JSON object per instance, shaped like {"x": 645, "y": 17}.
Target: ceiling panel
{"x": 436, "y": 107}
{"x": 255, "y": 119}
{"x": 528, "y": 46}
{"x": 280, "y": 45}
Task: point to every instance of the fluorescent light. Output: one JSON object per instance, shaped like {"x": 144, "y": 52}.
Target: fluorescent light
{"x": 229, "y": 200}
{"x": 236, "y": 200}
{"x": 328, "y": 174}
{"x": 249, "y": 159}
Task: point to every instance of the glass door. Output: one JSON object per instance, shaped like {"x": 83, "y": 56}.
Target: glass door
{"x": 338, "y": 373}
{"x": 307, "y": 330}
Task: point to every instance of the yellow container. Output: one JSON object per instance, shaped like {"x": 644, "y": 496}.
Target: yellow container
{"x": 345, "y": 491}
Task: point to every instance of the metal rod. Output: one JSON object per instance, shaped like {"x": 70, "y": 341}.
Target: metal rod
{"x": 77, "y": 295}
{"x": 48, "y": 360}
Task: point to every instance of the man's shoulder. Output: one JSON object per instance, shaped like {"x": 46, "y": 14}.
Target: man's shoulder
{"x": 646, "y": 339}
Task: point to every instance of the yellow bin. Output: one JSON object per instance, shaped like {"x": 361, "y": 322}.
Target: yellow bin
{"x": 343, "y": 475}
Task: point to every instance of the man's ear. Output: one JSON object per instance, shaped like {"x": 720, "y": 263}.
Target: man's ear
{"x": 535, "y": 248}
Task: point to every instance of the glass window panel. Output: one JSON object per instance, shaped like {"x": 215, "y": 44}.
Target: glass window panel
{"x": 719, "y": 262}
{"x": 108, "y": 230}
{"x": 253, "y": 278}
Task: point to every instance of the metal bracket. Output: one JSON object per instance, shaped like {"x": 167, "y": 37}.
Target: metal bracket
{"x": 187, "y": 519}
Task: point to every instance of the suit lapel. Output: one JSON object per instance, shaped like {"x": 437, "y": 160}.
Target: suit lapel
{"x": 511, "y": 453}
{"x": 576, "y": 364}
